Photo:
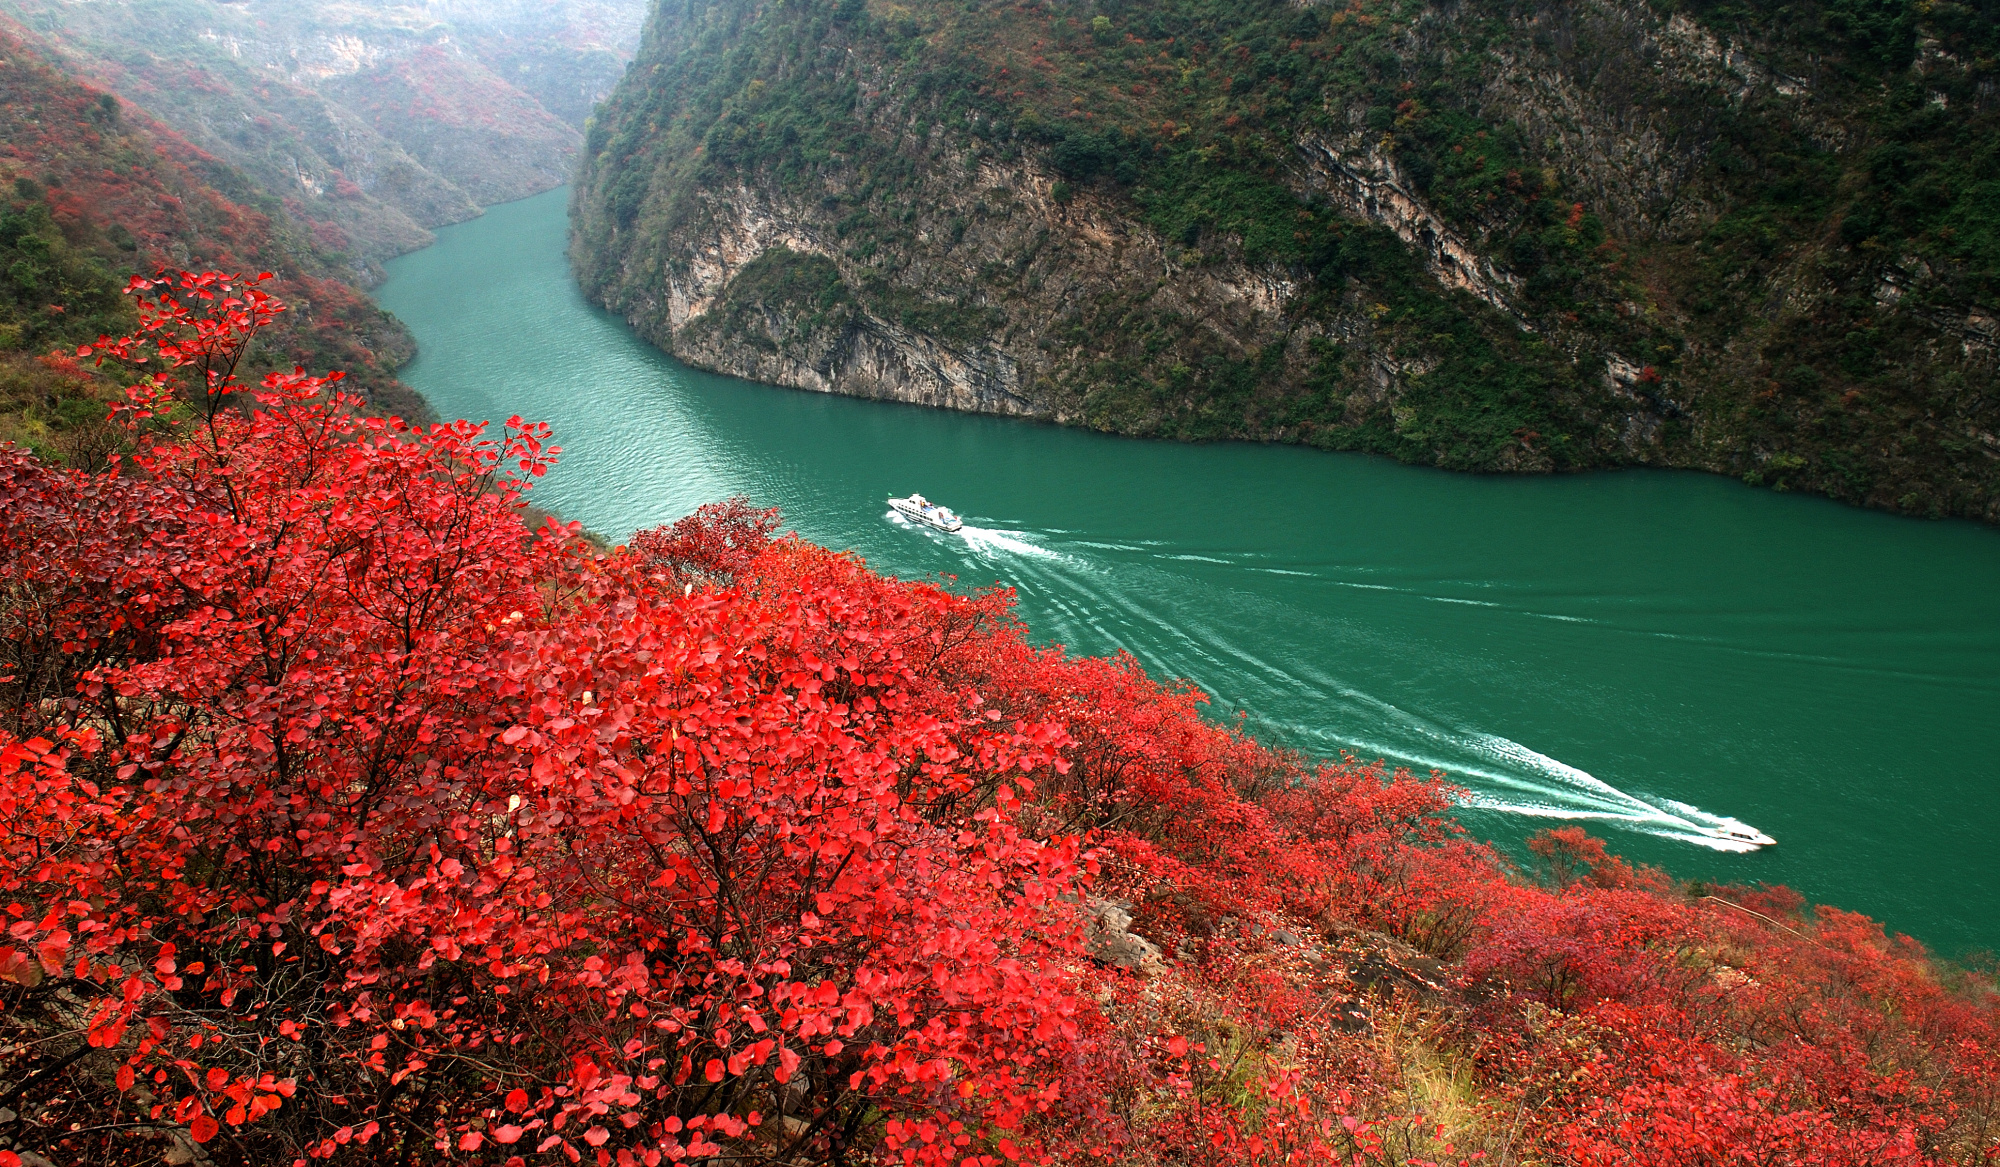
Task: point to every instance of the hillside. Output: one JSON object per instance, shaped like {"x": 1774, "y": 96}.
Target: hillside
{"x": 567, "y": 55}
{"x": 463, "y": 122}
{"x": 370, "y": 849}
{"x": 375, "y": 120}
{"x": 93, "y": 191}
{"x": 1749, "y": 237}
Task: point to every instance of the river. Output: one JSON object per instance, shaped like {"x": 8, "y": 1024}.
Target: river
{"x": 1646, "y": 652}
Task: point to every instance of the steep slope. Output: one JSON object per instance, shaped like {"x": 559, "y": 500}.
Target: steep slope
{"x": 94, "y": 191}
{"x": 376, "y": 120}
{"x": 462, "y": 121}
{"x": 1495, "y": 236}
{"x": 329, "y": 163}
{"x": 567, "y": 55}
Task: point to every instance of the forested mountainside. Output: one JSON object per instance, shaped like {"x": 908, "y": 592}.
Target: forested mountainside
{"x": 1753, "y": 237}
{"x": 375, "y": 120}
{"x": 92, "y": 191}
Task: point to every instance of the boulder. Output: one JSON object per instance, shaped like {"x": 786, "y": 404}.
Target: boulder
{"x": 1109, "y": 939}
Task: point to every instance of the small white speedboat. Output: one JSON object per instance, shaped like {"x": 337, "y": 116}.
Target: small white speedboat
{"x": 1738, "y": 833}
{"x": 919, "y": 509}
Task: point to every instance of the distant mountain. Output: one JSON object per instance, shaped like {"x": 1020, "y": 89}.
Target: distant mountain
{"x": 566, "y": 54}
{"x": 1760, "y": 237}
{"x": 373, "y": 120}
{"x": 92, "y": 191}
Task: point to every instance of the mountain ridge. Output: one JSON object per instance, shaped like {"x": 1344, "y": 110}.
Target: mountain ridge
{"x": 94, "y": 190}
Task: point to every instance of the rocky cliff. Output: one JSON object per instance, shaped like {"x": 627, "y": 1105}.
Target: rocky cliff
{"x": 1747, "y": 237}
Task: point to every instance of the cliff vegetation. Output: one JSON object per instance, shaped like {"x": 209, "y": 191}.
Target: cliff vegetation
{"x": 1739, "y": 235}
{"x": 94, "y": 191}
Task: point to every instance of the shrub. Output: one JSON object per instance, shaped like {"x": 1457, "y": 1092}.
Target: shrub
{"x": 343, "y": 817}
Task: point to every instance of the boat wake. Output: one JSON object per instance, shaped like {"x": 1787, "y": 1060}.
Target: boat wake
{"x": 1582, "y": 795}
{"x": 990, "y": 542}
{"x": 1503, "y": 776}
{"x": 1104, "y": 596}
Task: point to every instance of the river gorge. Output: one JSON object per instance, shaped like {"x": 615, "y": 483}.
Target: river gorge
{"x": 1649, "y": 653}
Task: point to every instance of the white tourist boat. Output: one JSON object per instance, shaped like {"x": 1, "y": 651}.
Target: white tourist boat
{"x": 1738, "y": 833}
{"x": 919, "y": 509}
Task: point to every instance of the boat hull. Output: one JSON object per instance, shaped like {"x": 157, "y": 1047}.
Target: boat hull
{"x": 1754, "y": 839}
{"x": 916, "y": 514}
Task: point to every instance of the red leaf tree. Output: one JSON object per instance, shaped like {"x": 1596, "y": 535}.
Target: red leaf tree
{"x": 344, "y": 817}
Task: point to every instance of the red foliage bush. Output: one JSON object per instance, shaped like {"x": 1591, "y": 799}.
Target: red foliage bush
{"x": 337, "y": 783}
{"x": 713, "y": 544}
{"x": 1669, "y": 1100}
{"x": 344, "y": 818}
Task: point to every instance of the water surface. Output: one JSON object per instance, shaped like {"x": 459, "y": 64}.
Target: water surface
{"x": 1648, "y": 652}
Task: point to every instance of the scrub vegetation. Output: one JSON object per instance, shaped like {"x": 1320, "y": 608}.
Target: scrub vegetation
{"x": 344, "y": 818}
{"x": 375, "y": 120}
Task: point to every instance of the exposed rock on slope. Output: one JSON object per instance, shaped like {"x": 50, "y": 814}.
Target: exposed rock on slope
{"x": 463, "y": 122}
{"x": 1482, "y": 235}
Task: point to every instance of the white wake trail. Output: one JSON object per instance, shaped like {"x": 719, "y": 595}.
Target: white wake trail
{"x": 1499, "y": 774}
{"x": 1582, "y": 795}
{"x": 990, "y": 542}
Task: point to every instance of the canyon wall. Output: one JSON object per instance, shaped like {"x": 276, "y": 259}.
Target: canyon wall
{"x": 1481, "y": 235}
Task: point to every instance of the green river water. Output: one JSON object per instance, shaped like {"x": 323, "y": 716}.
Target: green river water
{"x": 1646, "y": 652}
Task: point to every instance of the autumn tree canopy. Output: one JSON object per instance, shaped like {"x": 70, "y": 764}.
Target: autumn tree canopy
{"x": 346, "y": 818}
